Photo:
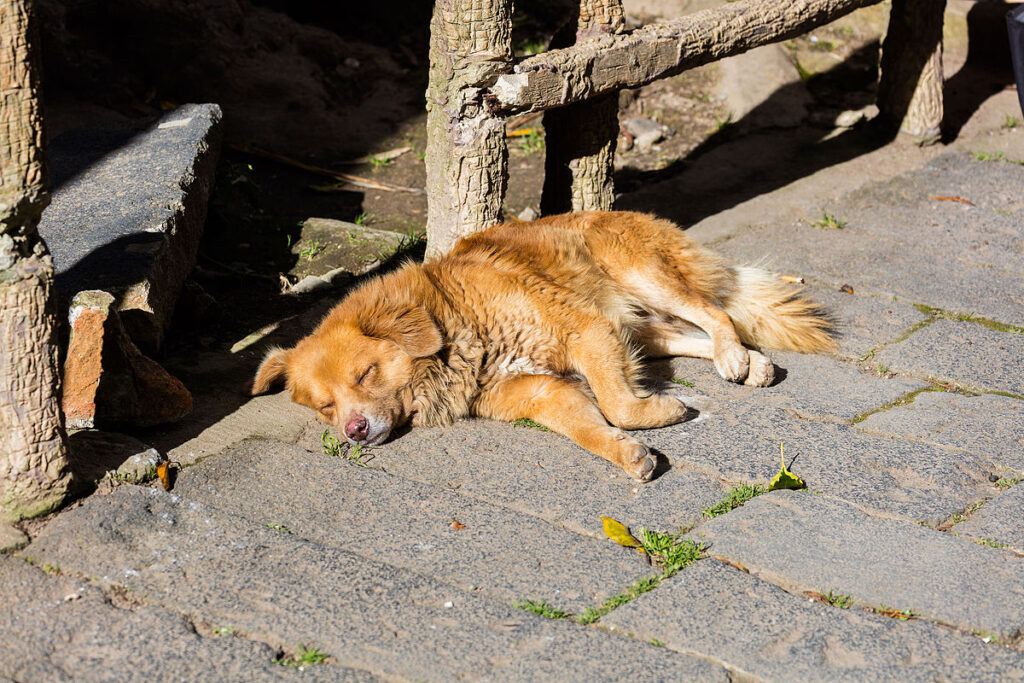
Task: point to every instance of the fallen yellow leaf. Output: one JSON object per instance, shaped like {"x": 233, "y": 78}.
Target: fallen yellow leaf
{"x": 785, "y": 479}
{"x": 619, "y": 532}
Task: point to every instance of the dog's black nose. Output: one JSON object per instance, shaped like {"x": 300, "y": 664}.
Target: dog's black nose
{"x": 357, "y": 428}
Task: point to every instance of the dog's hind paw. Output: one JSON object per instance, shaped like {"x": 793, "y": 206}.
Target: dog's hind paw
{"x": 762, "y": 371}
{"x": 732, "y": 362}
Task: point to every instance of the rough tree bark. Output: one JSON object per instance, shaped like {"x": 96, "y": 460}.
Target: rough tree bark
{"x": 580, "y": 139}
{"x": 609, "y": 63}
{"x": 467, "y": 156}
{"x": 910, "y": 86}
{"x": 34, "y": 476}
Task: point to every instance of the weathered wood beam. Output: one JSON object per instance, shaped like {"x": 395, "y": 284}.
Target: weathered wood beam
{"x": 580, "y": 139}
{"x": 608, "y": 63}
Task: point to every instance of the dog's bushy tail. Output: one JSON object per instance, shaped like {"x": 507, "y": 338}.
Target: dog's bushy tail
{"x": 770, "y": 313}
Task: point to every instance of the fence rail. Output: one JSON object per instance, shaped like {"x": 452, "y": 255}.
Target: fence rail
{"x": 475, "y": 84}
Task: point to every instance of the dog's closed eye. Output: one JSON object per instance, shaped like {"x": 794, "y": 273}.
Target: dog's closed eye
{"x": 366, "y": 374}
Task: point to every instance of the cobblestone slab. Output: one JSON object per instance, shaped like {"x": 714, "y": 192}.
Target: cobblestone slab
{"x": 1000, "y": 519}
{"x": 991, "y": 426}
{"x": 62, "y": 628}
{"x": 964, "y": 352}
{"x": 810, "y": 385}
{"x": 898, "y": 240}
{"x": 437, "y": 532}
{"x": 984, "y": 232}
{"x": 366, "y": 614}
{"x": 759, "y": 630}
{"x": 128, "y": 211}
{"x": 805, "y": 542}
{"x": 864, "y": 320}
{"x": 740, "y": 443}
{"x": 542, "y": 474}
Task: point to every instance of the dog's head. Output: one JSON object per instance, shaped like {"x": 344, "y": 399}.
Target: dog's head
{"x": 356, "y": 369}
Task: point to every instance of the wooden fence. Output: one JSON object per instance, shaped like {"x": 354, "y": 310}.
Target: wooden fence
{"x": 475, "y": 83}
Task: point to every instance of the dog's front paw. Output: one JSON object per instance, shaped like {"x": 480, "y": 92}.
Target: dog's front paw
{"x": 762, "y": 371}
{"x": 732, "y": 362}
{"x": 641, "y": 463}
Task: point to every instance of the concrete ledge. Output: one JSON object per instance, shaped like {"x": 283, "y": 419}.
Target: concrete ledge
{"x": 128, "y": 210}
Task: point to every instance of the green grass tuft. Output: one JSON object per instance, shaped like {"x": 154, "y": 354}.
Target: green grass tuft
{"x": 542, "y": 609}
{"x": 669, "y": 552}
{"x": 684, "y": 382}
{"x": 527, "y": 422}
{"x": 736, "y": 497}
{"x": 335, "y": 448}
{"x": 828, "y": 222}
{"x": 840, "y": 600}
{"x": 306, "y": 656}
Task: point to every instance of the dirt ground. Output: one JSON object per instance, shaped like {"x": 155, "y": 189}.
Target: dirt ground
{"x": 340, "y": 90}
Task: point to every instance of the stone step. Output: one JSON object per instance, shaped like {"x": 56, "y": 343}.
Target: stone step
{"x": 129, "y": 203}
{"x": 990, "y": 426}
{"x": 541, "y": 474}
{"x": 741, "y": 443}
{"x": 758, "y": 630}
{"x": 502, "y": 554}
{"x": 128, "y": 209}
{"x": 63, "y": 628}
{"x": 804, "y": 542}
{"x": 967, "y": 353}
{"x": 1000, "y": 520}
{"x": 813, "y": 386}
{"x": 282, "y": 589}
{"x": 915, "y": 253}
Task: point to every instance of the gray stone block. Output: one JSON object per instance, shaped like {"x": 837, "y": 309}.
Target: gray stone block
{"x": 810, "y": 385}
{"x": 64, "y": 628}
{"x": 542, "y": 474}
{"x": 804, "y": 542}
{"x": 128, "y": 209}
{"x": 506, "y": 555}
{"x": 863, "y": 320}
{"x": 964, "y": 352}
{"x": 740, "y": 443}
{"x": 989, "y": 425}
{"x": 227, "y": 570}
{"x": 1000, "y": 519}
{"x": 760, "y": 631}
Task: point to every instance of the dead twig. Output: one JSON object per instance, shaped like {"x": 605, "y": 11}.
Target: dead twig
{"x": 355, "y": 180}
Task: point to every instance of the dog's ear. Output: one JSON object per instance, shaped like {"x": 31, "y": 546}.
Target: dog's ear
{"x": 412, "y": 329}
{"x": 273, "y": 368}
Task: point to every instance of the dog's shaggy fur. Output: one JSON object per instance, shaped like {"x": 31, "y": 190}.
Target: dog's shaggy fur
{"x": 545, "y": 320}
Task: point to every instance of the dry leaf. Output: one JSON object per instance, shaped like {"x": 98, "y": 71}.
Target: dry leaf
{"x": 785, "y": 479}
{"x": 956, "y": 198}
{"x": 619, "y": 532}
{"x": 456, "y": 525}
{"x": 163, "y": 472}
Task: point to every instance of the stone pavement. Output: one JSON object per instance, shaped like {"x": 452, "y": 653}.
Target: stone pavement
{"x": 904, "y": 559}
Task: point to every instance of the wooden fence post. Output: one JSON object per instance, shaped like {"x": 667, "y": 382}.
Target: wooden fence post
{"x": 467, "y": 155}
{"x": 580, "y": 138}
{"x": 910, "y": 83}
{"x": 34, "y": 474}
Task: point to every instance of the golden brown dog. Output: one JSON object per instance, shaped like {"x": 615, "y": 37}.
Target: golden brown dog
{"x": 545, "y": 320}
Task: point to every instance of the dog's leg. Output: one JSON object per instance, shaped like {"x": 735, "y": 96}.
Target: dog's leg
{"x": 599, "y": 355}
{"x": 664, "y": 339}
{"x": 561, "y": 406}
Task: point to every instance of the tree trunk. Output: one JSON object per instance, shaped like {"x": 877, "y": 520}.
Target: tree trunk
{"x": 609, "y": 63}
{"x": 34, "y": 475}
{"x": 467, "y": 156}
{"x": 910, "y": 87}
{"x": 580, "y": 139}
